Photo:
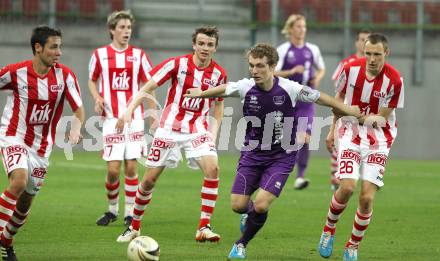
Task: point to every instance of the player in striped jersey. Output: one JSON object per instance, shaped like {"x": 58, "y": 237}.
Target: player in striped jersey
{"x": 119, "y": 69}
{"x": 38, "y": 89}
{"x": 183, "y": 124}
{"x": 359, "y": 45}
{"x": 377, "y": 89}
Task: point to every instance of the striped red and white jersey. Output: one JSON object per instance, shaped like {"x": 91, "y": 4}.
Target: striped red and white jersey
{"x": 386, "y": 90}
{"x": 119, "y": 74}
{"x": 183, "y": 114}
{"x": 341, "y": 64}
{"x": 35, "y": 103}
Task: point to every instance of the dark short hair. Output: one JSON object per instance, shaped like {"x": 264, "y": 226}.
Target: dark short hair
{"x": 262, "y": 50}
{"x": 41, "y": 33}
{"x": 376, "y": 38}
{"x": 362, "y": 31}
{"x": 210, "y": 31}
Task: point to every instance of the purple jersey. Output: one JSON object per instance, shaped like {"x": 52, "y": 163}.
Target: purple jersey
{"x": 307, "y": 55}
{"x": 271, "y": 126}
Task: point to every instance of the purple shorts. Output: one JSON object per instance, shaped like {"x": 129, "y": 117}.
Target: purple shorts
{"x": 307, "y": 110}
{"x": 269, "y": 175}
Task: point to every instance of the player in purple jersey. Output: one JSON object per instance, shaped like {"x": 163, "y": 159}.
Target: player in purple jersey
{"x": 300, "y": 61}
{"x": 268, "y": 153}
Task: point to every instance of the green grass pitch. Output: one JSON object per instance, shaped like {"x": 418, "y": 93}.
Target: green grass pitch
{"x": 62, "y": 221}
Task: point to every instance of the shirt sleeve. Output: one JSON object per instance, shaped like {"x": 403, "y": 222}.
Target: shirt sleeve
{"x": 94, "y": 67}
{"x": 146, "y": 67}
{"x": 395, "y": 97}
{"x": 73, "y": 93}
{"x": 241, "y": 87}
{"x": 5, "y": 78}
{"x": 282, "y": 51}
{"x": 319, "y": 61}
{"x": 308, "y": 94}
{"x": 164, "y": 71}
{"x": 341, "y": 83}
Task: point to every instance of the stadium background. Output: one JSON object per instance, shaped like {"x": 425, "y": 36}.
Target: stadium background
{"x": 405, "y": 224}
{"x": 163, "y": 29}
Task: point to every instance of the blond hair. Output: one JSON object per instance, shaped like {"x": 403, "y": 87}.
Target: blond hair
{"x": 115, "y": 17}
{"x": 290, "y": 22}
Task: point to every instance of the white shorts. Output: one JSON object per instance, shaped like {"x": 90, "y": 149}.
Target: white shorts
{"x": 22, "y": 157}
{"x": 360, "y": 161}
{"x": 127, "y": 145}
{"x": 166, "y": 145}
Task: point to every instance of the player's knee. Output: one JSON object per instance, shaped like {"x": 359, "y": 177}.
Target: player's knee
{"x": 17, "y": 186}
{"x": 112, "y": 175}
{"x": 366, "y": 201}
{"x": 238, "y": 207}
{"x": 213, "y": 171}
{"x": 149, "y": 182}
{"x": 347, "y": 190}
{"x": 261, "y": 207}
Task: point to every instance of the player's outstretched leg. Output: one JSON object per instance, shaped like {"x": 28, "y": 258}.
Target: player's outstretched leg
{"x": 238, "y": 251}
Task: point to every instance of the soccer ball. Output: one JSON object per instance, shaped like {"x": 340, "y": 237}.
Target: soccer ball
{"x": 143, "y": 248}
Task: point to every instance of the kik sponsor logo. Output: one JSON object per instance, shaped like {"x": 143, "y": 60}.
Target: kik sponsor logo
{"x": 192, "y": 104}
{"x": 121, "y": 80}
{"x": 41, "y": 113}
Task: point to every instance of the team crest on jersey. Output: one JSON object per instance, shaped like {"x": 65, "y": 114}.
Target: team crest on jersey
{"x": 121, "y": 79}
{"x": 279, "y": 100}
{"x": 41, "y": 113}
{"x": 57, "y": 87}
{"x": 131, "y": 59}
